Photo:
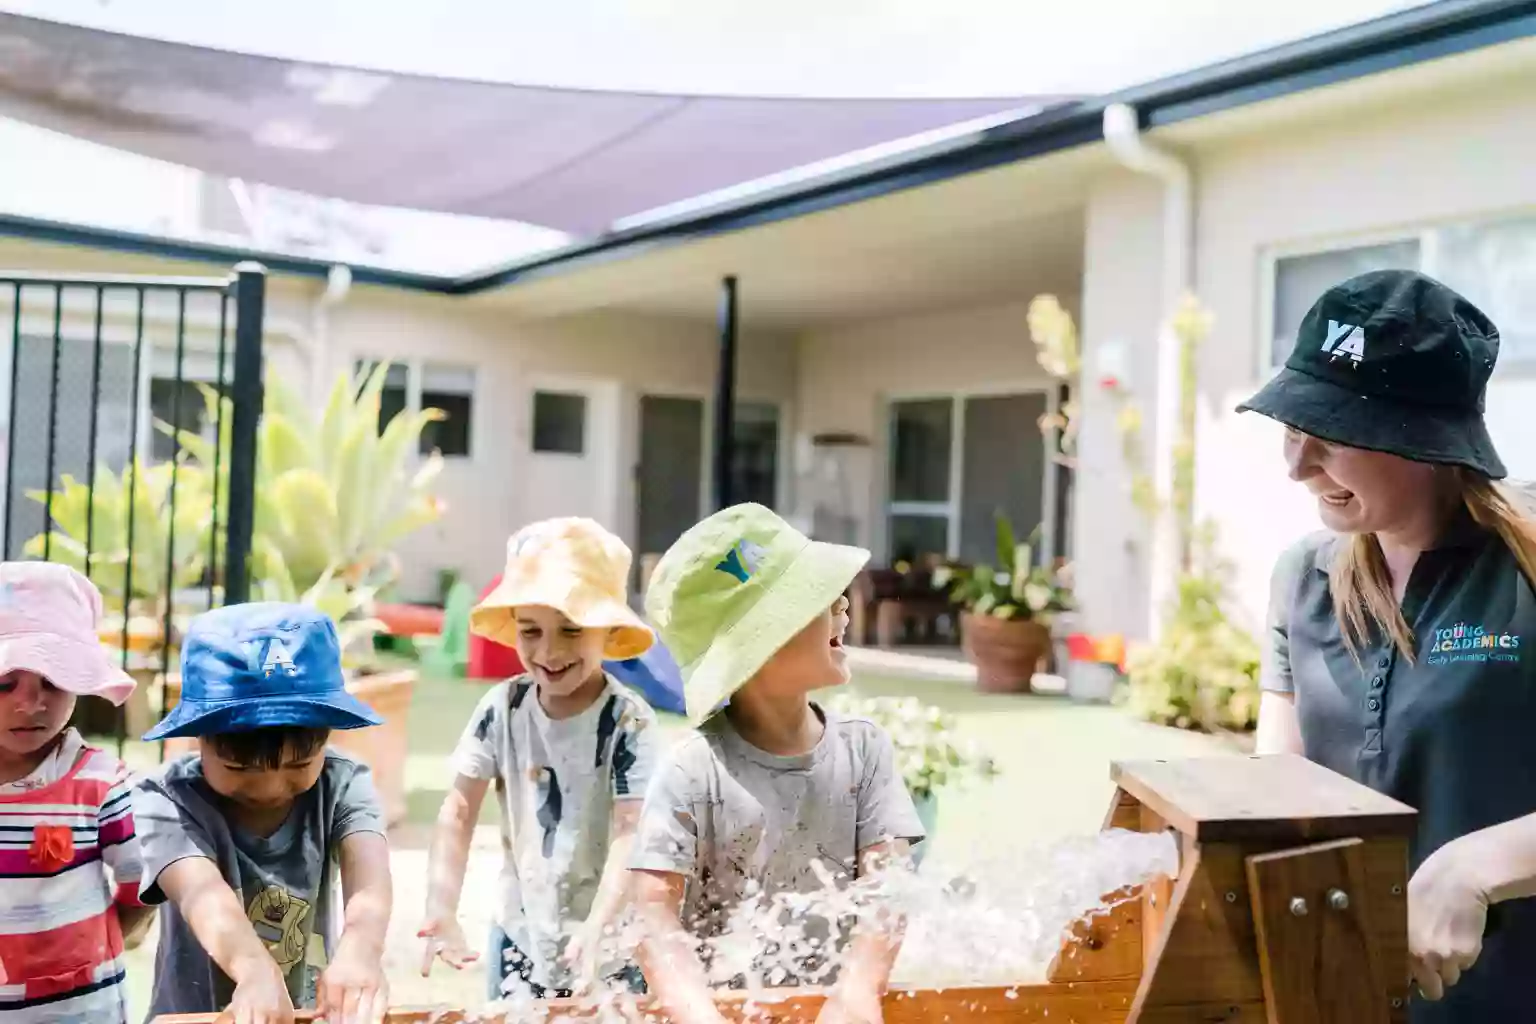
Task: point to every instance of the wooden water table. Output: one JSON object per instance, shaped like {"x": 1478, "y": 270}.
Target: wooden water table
{"x": 1289, "y": 907}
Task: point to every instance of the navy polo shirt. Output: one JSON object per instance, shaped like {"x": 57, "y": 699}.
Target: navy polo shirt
{"x": 1452, "y": 733}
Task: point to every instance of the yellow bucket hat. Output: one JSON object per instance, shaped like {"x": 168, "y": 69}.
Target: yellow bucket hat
{"x": 733, "y": 590}
{"x": 576, "y": 567}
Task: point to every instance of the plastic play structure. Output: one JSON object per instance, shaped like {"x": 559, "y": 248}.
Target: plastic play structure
{"x": 1289, "y": 907}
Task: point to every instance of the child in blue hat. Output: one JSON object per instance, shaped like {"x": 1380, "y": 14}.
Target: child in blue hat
{"x": 239, "y": 839}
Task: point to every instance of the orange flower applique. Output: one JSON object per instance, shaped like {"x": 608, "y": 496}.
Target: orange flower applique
{"x": 53, "y": 846}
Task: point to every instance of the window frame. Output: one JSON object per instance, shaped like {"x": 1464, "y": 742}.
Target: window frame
{"x": 414, "y": 366}
{"x": 1425, "y": 232}
{"x": 952, "y": 508}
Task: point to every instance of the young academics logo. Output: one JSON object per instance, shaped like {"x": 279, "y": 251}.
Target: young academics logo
{"x": 1344, "y": 340}
{"x": 1463, "y": 642}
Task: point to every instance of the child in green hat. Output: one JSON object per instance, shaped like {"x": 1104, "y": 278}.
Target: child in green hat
{"x": 773, "y": 794}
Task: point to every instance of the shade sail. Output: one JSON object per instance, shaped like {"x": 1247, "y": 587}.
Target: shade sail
{"x": 572, "y": 160}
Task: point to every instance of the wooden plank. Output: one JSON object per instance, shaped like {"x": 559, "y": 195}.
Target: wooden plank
{"x": 1124, "y": 812}
{"x": 1104, "y": 945}
{"x": 1317, "y": 952}
{"x": 1275, "y": 798}
{"x": 1205, "y": 956}
{"x": 1104, "y": 1002}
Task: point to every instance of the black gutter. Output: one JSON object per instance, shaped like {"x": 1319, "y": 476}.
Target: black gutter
{"x": 113, "y": 240}
{"x": 1394, "y": 41}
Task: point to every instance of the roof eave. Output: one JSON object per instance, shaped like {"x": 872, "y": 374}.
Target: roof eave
{"x": 1382, "y": 44}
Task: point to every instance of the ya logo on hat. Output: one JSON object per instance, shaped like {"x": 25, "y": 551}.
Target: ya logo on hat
{"x": 1344, "y": 340}
{"x": 742, "y": 561}
{"x": 278, "y": 657}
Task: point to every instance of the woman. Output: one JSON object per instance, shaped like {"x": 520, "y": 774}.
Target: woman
{"x": 1401, "y": 646}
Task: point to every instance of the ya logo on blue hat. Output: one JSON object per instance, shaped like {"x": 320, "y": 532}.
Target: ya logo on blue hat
{"x": 261, "y": 665}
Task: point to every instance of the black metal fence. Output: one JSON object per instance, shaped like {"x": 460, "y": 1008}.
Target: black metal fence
{"x": 110, "y": 380}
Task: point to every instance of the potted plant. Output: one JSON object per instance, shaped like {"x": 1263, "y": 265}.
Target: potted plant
{"x": 927, "y": 752}
{"x": 1006, "y": 612}
{"x": 334, "y": 496}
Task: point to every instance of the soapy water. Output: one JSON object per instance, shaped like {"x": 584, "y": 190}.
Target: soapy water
{"x": 998, "y": 918}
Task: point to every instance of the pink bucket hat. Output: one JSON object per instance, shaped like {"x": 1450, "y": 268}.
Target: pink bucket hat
{"x": 49, "y": 617}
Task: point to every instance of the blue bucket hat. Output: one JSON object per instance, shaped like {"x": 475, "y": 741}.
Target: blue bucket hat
{"x": 253, "y": 666}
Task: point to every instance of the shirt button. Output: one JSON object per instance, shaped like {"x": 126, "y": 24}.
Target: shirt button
{"x": 1376, "y": 683}
{"x": 1384, "y": 662}
{"x": 1373, "y": 704}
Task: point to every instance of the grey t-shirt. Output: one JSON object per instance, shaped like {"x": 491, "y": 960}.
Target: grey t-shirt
{"x": 556, "y": 781}
{"x": 286, "y": 881}
{"x": 742, "y": 824}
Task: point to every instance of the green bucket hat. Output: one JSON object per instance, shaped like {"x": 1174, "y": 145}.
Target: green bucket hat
{"x": 733, "y": 590}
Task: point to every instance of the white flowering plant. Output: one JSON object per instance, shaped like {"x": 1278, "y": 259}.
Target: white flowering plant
{"x": 929, "y": 755}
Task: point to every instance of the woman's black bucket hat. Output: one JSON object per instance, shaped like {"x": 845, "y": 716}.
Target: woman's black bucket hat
{"x": 1393, "y": 361}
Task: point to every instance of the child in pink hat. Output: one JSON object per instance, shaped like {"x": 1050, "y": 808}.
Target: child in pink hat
{"x": 70, "y": 889}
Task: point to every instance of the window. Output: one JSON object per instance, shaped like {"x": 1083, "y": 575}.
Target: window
{"x": 180, "y": 403}
{"x": 1299, "y": 280}
{"x": 447, "y": 388}
{"x": 1491, "y": 261}
{"x": 559, "y": 423}
{"x": 953, "y": 464}
{"x": 393, "y": 395}
{"x": 1494, "y": 265}
{"x": 450, "y": 389}
{"x": 755, "y": 453}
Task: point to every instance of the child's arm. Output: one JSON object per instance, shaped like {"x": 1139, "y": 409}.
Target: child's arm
{"x": 213, "y": 912}
{"x": 887, "y": 824}
{"x": 632, "y": 762}
{"x": 353, "y": 987}
{"x": 119, "y": 844}
{"x": 446, "y": 863}
{"x": 872, "y": 951}
{"x": 663, "y": 863}
{"x": 672, "y": 970}
{"x": 584, "y": 950}
{"x": 179, "y": 866}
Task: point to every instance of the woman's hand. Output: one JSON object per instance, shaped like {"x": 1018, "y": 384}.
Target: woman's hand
{"x": 1447, "y": 913}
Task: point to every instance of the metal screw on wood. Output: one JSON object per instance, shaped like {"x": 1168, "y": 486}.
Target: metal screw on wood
{"x": 1397, "y": 890}
{"x": 1338, "y": 899}
{"x": 1396, "y": 1003}
{"x": 1299, "y": 906}
{"x": 1231, "y": 897}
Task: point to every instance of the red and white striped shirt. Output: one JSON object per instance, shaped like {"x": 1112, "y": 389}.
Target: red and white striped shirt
{"x": 68, "y": 857}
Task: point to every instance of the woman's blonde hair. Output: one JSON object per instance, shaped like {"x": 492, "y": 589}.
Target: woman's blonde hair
{"x": 1362, "y": 586}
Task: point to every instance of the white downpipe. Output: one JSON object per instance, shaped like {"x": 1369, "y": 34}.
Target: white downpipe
{"x": 338, "y": 283}
{"x": 1122, "y": 132}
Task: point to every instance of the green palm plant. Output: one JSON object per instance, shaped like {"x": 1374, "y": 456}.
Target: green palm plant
{"x": 334, "y": 494}
{"x": 100, "y": 523}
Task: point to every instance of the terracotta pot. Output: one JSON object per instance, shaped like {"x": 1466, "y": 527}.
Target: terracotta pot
{"x": 381, "y": 747}
{"x": 1006, "y": 652}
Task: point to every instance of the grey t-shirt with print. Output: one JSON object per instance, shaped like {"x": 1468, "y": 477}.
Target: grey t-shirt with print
{"x": 286, "y": 881}
{"x": 742, "y": 823}
{"x": 556, "y": 782}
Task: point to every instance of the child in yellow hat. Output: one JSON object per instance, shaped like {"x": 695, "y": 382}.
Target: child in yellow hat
{"x": 774, "y": 793}
{"x": 570, "y": 751}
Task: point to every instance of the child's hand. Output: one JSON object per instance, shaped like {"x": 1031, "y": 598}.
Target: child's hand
{"x": 260, "y": 997}
{"x": 445, "y": 939}
{"x": 581, "y": 954}
{"x": 353, "y": 989}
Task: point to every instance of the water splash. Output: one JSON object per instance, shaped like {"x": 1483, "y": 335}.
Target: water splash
{"x": 998, "y": 918}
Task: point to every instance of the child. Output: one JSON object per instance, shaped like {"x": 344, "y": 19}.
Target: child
{"x": 69, "y": 863}
{"x": 776, "y": 793}
{"x": 241, "y": 837}
{"x": 570, "y": 750}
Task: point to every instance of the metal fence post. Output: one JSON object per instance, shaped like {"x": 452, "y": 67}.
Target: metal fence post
{"x": 246, "y": 395}
{"x": 725, "y": 395}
